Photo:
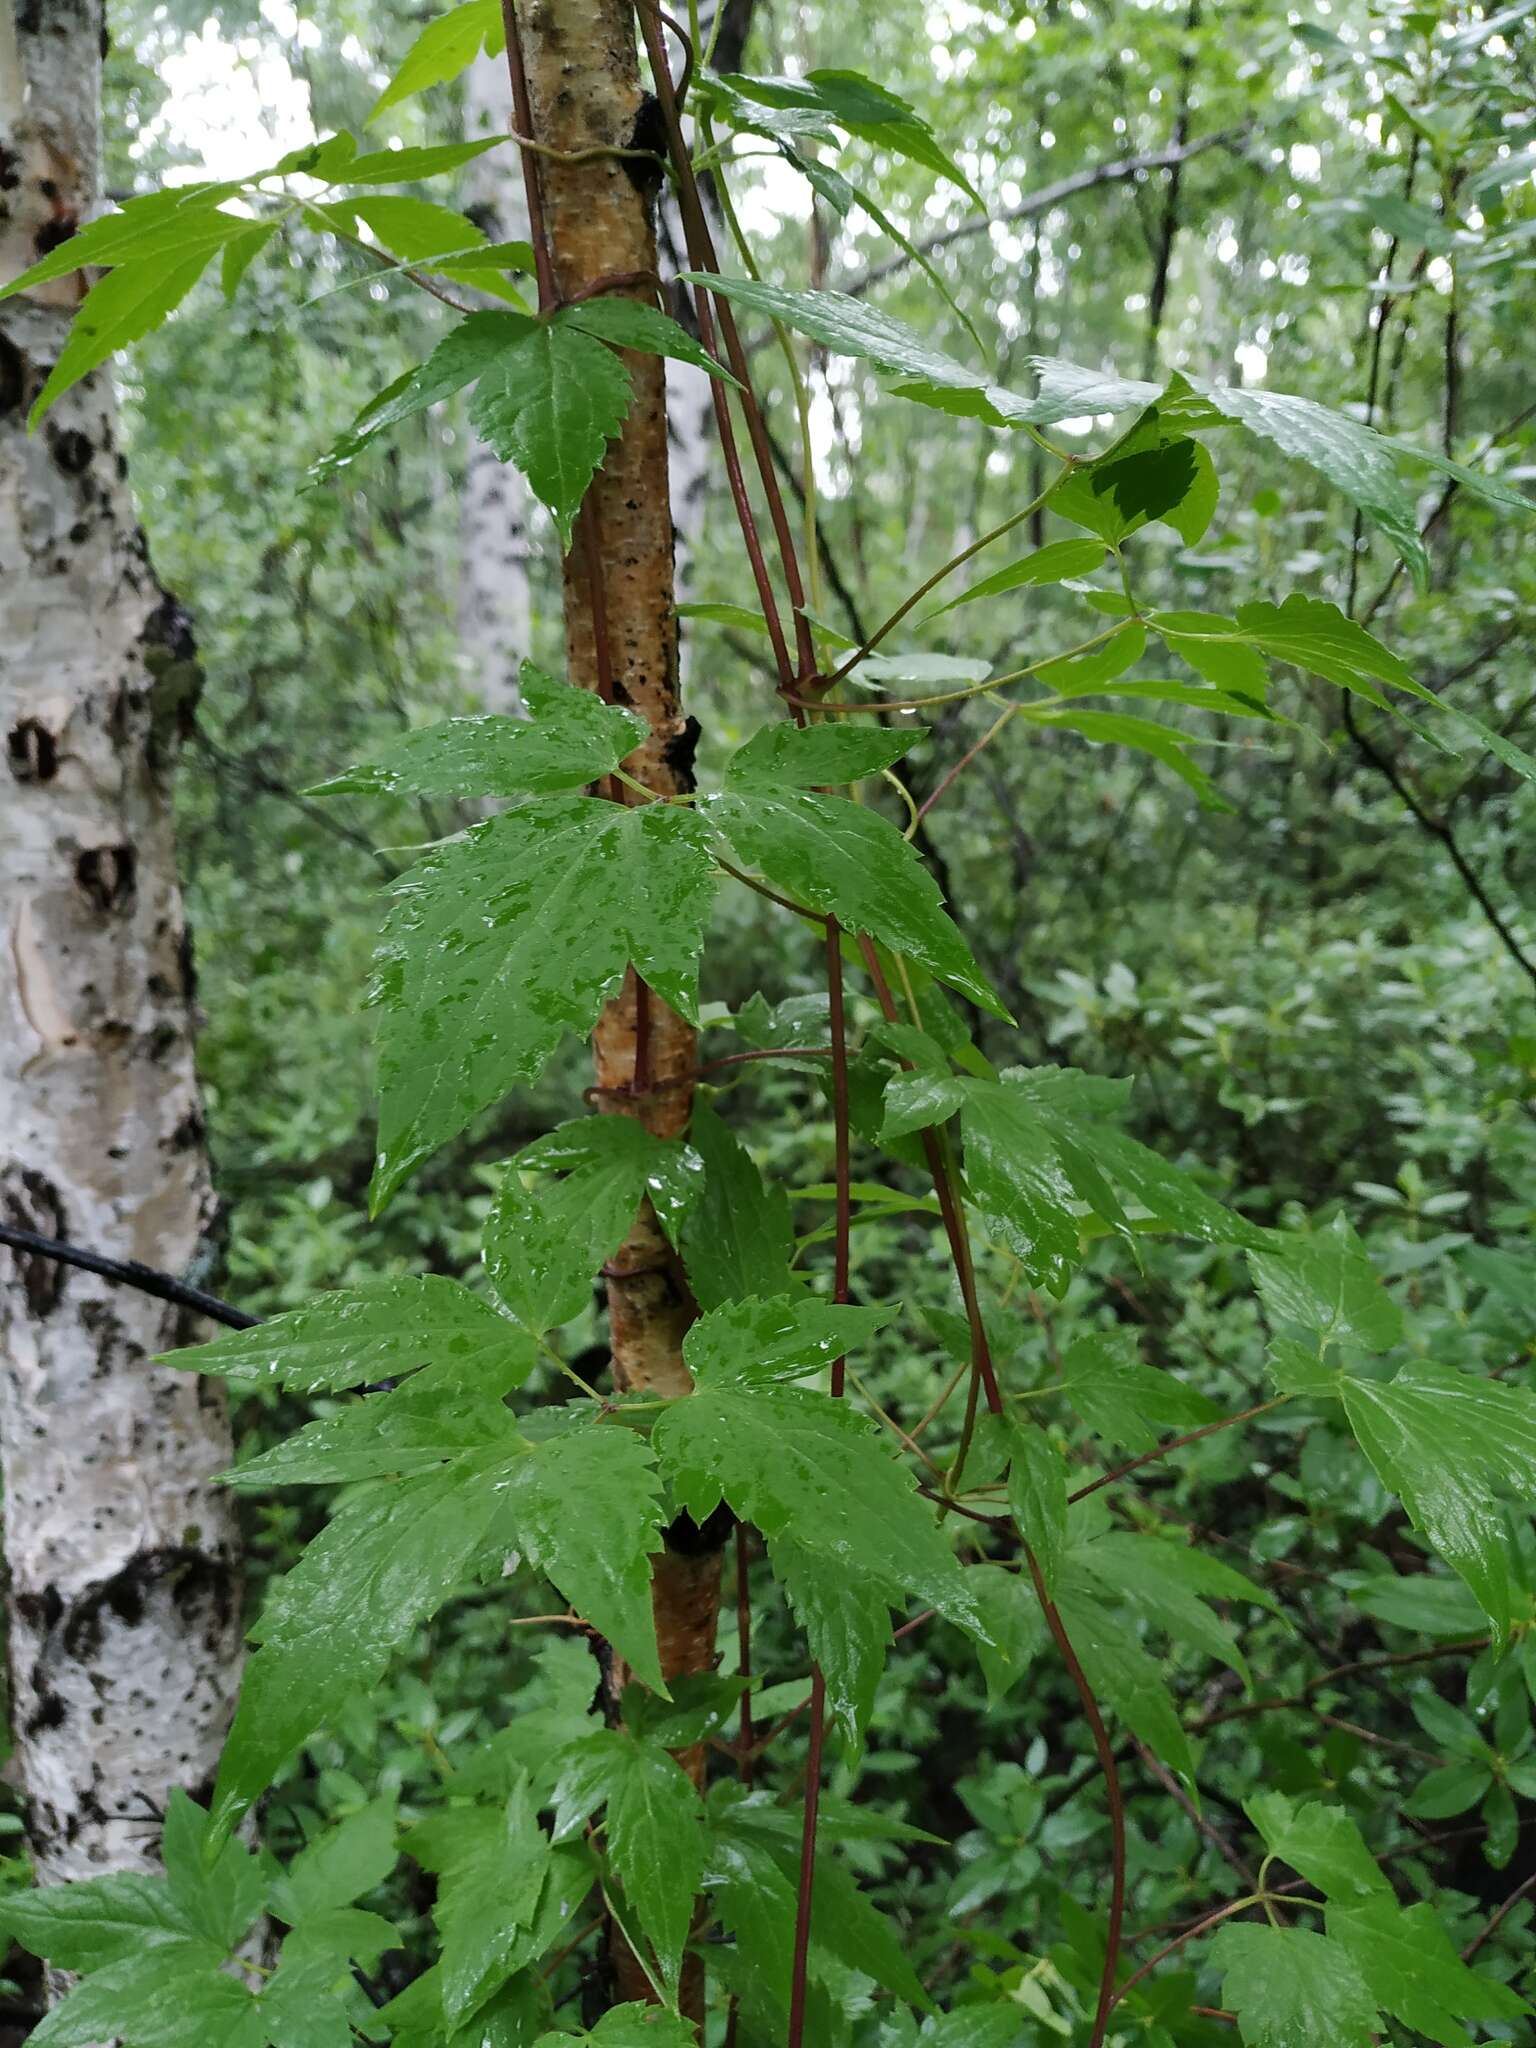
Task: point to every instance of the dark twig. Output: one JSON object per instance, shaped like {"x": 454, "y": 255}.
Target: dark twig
{"x": 129, "y": 1273}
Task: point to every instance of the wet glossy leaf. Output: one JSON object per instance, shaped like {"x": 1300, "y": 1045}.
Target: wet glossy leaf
{"x": 784, "y": 756}
{"x": 1315, "y": 635}
{"x": 653, "y": 1831}
{"x": 738, "y": 1239}
{"x": 1327, "y": 1284}
{"x": 1406, "y": 1959}
{"x": 502, "y": 943}
{"x": 803, "y": 1465}
{"x": 626, "y": 323}
{"x": 1446, "y": 1443}
{"x": 364, "y": 1584}
{"x": 463, "y": 355}
{"x": 847, "y": 1625}
{"x": 551, "y": 404}
{"x": 599, "y": 1558}
{"x": 1291, "y": 1988}
{"x": 491, "y": 1865}
{"x": 570, "y": 737}
{"x": 348, "y": 1339}
{"x": 843, "y": 859}
{"x": 754, "y": 1343}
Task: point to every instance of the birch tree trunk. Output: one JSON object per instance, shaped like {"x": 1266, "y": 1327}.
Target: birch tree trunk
{"x": 123, "y": 1589}
{"x": 495, "y": 604}
{"x": 621, "y": 638}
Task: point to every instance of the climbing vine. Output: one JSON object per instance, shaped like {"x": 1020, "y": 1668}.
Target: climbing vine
{"x": 621, "y": 1806}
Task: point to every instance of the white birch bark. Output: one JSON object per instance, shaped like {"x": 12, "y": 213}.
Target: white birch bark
{"x": 494, "y": 601}
{"x": 123, "y": 1587}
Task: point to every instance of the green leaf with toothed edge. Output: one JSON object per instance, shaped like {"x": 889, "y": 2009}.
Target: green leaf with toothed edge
{"x": 847, "y": 1625}
{"x": 1448, "y": 1444}
{"x": 395, "y": 1553}
{"x": 1291, "y": 1988}
{"x": 491, "y": 1865}
{"x": 849, "y": 862}
{"x": 551, "y": 405}
{"x": 173, "y": 1996}
{"x": 738, "y": 1238}
{"x": 785, "y": 756}
{"x": 627, "y": 323}
{"x": 504, "y": 942}
{"x": 348, "y": 1339}
{"x": 804, "y": 1465}
{"x": 652, "y": 1828}
{"x": 569, "y": 738}
{"x": 121, "y": 308}
{"x": 754, "y": 1343}
{"x": 631, "y": 2026}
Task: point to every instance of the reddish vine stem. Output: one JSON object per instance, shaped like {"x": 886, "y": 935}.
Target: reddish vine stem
{"x": 522, "y": 110}
{"x": 841, "y": 1267}
{"x": 954, "y": 1224}
{"x": 1175, "y": 1443}
{"x": 985, "y": 1376}
{"x": 701, "y": 253}
{"x": 796, "y": 2035}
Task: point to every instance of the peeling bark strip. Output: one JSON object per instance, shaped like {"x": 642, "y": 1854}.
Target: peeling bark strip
{"x": 621, "y": 636}
{"x": 124, "y": 1592}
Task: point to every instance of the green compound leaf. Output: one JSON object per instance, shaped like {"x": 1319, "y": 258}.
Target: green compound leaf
{"x": 503, "y": 943}
{"x": 653, "y": 1829}
{"x": 803, "y": 1465}
{"x": 348, "y": 1339}
{"x": 392, "y": 1556}
{"x": 626, "y": 323}
{"x": 491, "y": 1865}
{"x": 551, "y": 404}
{"x": 444, "y": 48}
{"x": 463, "y": 354}
{"x": 1053, "y": 563}
{"x": 1447, "y": 1444}
{"x": 1124, "y": 1401}
{"x": 1315, "y": 635}
{"x": 177, "y": 1995}
{"x": 755, "y": 1343}
{"x": 1320, "y": 1843}
{"x": 847, "y": 861}
{"x": 1291, "y": 1988}
{"x": 1038, "y": 1153}
{"x": 1406, "y": 1960}
{"x": 384, "y": 1564}
{"x": 857, "y": 104}
{"x": 738, "y": 1239}
{"x": 569, "y": 738}
{"x": 123, "y": 307}
{"x": 1327, "y": 1284}
{"x": 784, "y": 756}
{"x": 847, "y": 1624}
